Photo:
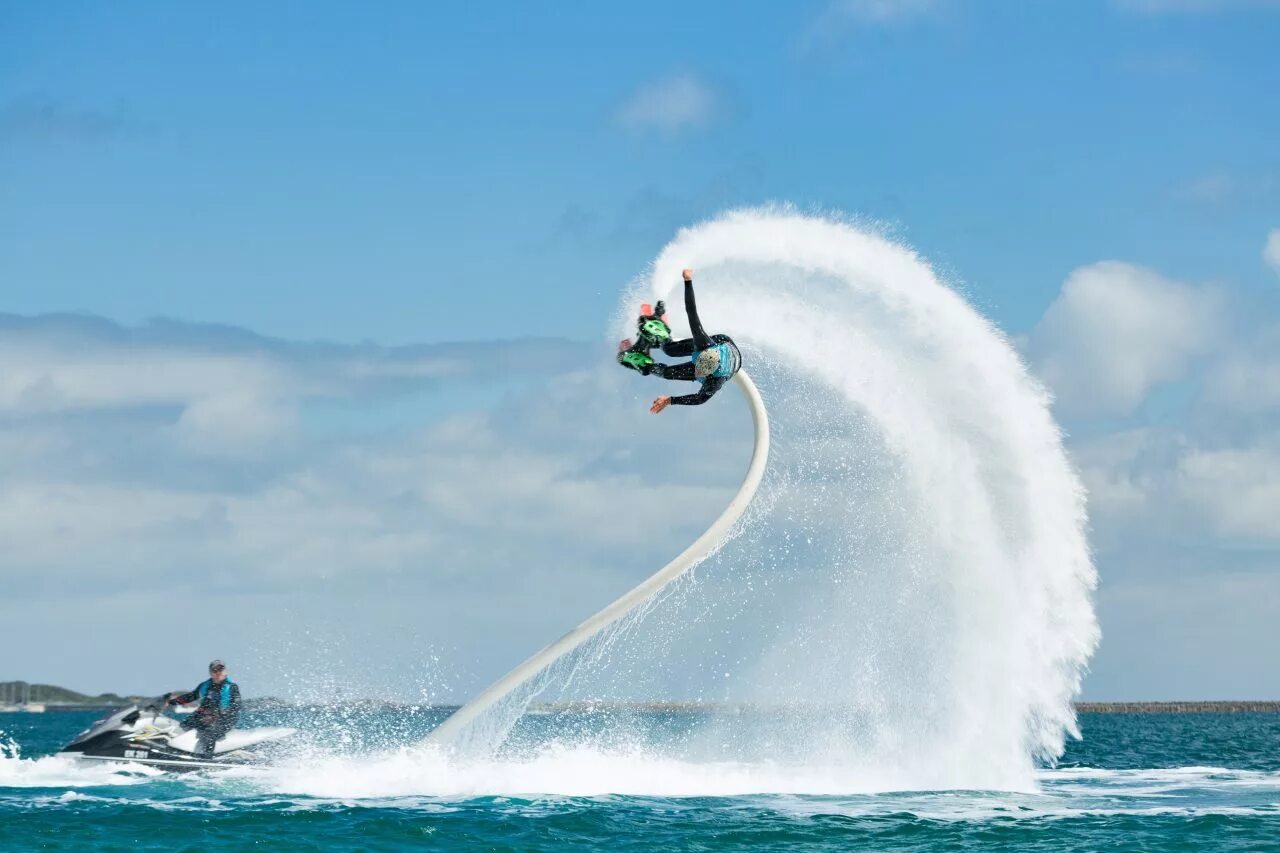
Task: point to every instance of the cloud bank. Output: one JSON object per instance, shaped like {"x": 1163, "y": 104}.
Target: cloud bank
{"x": 1170, "y": 394}
{"x": 1116, "y": 331}
{"x": 173, "y": 467}
{"x": 301, "y": 490}
{"x": 1202, "y": 457}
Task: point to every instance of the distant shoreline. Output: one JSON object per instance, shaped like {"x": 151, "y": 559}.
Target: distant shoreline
{"x": 61, "y": 699}
{"x": 1205, "y": 707}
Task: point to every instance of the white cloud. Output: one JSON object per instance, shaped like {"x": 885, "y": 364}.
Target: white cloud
{"x": 1203, "y": 464}
{"x": 1116, "y": 331}
{"x": 1236, "y": 489}
{"x": 672, "y": 105}
{"x": 1153, "y": 487}
{"x": 1112, "y": 471}
{"x": 1202, "y": 469}
{"x": 1244, "y": 379}
{"x": 1271, "y": 251}
{"x": 227, "y": 401}
{"x": 124, "y": 459}
{"x": 230, "y": 392}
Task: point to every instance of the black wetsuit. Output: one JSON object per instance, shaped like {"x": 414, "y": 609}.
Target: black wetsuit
{"x": 211, "y": 721}
{"x": 687, "y": 348}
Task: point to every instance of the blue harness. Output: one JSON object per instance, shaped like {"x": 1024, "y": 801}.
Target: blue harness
{"x": 727, "y": 366}
{"x": 224, "y": 701}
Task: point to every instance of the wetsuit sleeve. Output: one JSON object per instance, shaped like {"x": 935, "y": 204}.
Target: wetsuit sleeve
{"x": 700, "y": 339}
{"x": 709, "y": 387}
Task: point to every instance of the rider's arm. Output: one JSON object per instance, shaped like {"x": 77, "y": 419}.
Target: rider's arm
{"x": 700, "y": 339}
{"x": 184, "y": 698}
{"x": 710, "y": 386}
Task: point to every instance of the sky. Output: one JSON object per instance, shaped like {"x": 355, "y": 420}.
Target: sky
{"x": 257, "y": 263}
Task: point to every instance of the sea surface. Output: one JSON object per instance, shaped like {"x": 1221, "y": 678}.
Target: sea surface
{"x": 356, "y": 781}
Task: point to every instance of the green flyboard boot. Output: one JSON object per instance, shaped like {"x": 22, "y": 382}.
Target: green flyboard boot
{"x": 635, "y": 360}
{"x": 651, "y": 329}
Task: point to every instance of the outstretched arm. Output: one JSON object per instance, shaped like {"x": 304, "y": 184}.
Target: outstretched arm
{"x": 705, "y": 393}
{"x": 710, "y": 386}
{"x": 700, "y": 339}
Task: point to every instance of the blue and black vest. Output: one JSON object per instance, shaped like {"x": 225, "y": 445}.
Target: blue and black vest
{"x": 224, "y": 701}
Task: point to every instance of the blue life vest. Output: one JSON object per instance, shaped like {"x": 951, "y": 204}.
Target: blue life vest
{"x": 224, "y": 701}
{"x": 729, "y": 362}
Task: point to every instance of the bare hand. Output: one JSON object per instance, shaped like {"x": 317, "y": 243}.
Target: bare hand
{"x": 660, "y": 404}
{"x": 688, "y": 274}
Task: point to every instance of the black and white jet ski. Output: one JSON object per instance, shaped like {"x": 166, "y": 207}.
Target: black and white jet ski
{"x": 145, "y": 735}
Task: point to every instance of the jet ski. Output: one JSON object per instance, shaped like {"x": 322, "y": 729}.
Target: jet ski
{"x": 146, "y": 735}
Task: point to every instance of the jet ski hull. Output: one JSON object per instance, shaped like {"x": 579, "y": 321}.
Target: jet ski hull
{"x": 145, "y": 736}
{"x": 177, "y": 764}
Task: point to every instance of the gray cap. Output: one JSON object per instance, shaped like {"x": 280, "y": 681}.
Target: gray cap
{"x": 216, "y": 665}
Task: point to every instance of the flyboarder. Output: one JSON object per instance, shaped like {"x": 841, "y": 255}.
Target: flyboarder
{"x": 713, "y": 359}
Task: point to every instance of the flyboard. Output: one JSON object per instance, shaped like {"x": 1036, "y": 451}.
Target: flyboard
{"x": 447, "y": 731}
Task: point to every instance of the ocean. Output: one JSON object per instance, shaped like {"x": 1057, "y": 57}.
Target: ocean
{"x": 358, "y": 781}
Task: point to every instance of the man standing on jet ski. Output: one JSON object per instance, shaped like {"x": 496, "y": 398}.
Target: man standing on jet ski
{"x": 219, "y": 709}
{"x": 713, "y": 359}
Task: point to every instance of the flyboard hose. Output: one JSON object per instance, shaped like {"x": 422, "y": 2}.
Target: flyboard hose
{"x": 695, "y": 553}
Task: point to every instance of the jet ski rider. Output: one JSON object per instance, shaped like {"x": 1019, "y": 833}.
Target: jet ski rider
{"x": 219, "y": 708}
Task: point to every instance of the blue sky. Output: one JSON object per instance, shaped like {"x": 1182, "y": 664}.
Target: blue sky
{"x": 412, "y": 175}
{"x": 318, "y": 170}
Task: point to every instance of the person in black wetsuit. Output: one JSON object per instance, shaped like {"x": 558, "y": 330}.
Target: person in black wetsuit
{"x": 713, "y": 359}
{"x": 219, "y": 709}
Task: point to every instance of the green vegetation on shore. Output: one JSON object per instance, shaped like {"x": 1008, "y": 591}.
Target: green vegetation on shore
{"x": 54, "y": 696}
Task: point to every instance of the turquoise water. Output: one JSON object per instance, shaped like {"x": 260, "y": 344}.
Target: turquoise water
{"x": 1141, "y": 782}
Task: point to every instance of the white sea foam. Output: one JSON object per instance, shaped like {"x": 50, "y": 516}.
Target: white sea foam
{"x": 555, "y": 770}
{"x": 55, "y": 771}
{"x": 425, "y": 779}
